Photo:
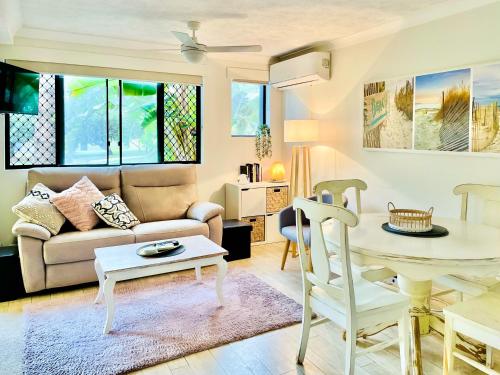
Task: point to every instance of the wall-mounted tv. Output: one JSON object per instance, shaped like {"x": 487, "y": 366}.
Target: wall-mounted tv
{"x": 18, "y": 90}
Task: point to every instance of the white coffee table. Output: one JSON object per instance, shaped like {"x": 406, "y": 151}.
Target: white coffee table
{"x": 118, "y": 263}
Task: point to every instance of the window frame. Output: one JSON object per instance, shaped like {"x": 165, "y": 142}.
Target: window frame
{"x": 59, "y": 129}
{"x": 262, "y": 109}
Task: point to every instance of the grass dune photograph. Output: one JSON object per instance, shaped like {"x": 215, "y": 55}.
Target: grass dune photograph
{"x": 442, "y": 109}
{"x": 486, "y": 89}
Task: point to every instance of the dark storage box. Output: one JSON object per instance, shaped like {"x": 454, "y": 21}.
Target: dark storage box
{"x": 236, "y": 239}
{"x": 11, "y": 281}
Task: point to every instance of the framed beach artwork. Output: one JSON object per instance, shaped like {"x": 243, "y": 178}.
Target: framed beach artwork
{"x": 449, "y": 111}
{"x": 388, "y": 114}
{"x": 442, "y": 109}
{"x": 486, "y": 91}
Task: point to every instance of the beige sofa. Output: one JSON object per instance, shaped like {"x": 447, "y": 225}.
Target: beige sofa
{"x": 163, "y": 197}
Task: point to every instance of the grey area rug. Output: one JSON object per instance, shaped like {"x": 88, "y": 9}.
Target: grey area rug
{"x": 157, "y": 319}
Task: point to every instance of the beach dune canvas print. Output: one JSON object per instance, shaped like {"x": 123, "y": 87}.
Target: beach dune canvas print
{"x": 442, "y": 110}
{"x": 388, "y": 114}
{"x": 486, "y": 89}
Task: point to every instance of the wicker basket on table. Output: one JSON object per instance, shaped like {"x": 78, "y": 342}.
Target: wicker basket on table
{"x": 407, "y": 220}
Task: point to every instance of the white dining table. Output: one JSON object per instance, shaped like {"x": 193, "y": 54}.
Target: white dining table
{"x": 470, "y": 249}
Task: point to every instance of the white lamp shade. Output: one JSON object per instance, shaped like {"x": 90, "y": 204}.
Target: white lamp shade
{"x": 301, "y": 131}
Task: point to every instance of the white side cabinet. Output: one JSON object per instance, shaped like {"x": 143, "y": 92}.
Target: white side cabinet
{"x": 259, "y": 204}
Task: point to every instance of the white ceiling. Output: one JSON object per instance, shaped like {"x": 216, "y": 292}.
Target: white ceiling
{"x": 279, "y": 25}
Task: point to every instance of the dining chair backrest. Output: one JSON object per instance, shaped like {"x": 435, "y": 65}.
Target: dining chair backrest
{"x": 320, "y": 274}
{"x": 490, "y": 197}
{"x": 337, "y": 188}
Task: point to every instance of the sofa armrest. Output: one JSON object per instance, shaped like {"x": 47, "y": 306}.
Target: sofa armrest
{"x": 32, "y": 263}
{"x": 204, "y": 211}
{"x": 215, "y": 228}
{"x": 23, "y": 228}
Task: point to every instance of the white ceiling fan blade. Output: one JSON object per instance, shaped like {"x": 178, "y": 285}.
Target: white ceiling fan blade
{"x": 162, "y": 50}
{"x": 184, "y": 39}
{"x": 235, "y": 49}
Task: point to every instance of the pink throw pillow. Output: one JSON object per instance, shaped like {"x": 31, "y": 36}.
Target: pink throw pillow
{"x": 75, "y": 204}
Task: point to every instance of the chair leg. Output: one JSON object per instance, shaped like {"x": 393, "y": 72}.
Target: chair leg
{"x": 295, "y": 253}
{"x": 449, "y": 345}
{"x": 285, "y": 254}
{"x": 489, "y": 356}
{"x": 350, "y": 350}
{"x": 404, "y": 343}
{"x": 306, "y": 327}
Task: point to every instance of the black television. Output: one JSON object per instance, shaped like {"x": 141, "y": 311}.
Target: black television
{"x": 18, "y": 90}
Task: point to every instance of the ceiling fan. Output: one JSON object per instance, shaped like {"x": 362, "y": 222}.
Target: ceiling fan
{"x": 194, "y": 52}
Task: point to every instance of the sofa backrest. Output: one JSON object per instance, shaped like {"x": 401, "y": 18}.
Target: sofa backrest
{"x": 159, "y": 192}
{"x": 107, "y": 179}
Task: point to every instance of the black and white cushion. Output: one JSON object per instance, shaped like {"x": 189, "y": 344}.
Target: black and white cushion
{"x": 114, "y": 212}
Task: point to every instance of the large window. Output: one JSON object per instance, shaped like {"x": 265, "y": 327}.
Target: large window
{"x": 98, "y": 121}
{"x": 248, "y": 108}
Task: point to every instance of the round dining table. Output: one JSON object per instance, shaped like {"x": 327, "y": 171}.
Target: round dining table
{"x": 470, "y": 249}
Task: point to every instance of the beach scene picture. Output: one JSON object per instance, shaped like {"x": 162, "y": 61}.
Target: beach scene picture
{"x": 388, "y": 114}
{"x": 442, "y": 110}
{"x": 486, "y": 90}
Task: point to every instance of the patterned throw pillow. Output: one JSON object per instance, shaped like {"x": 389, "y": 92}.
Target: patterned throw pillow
{"x": 114, "y": 212}
{"x": 36, "y": 208}
{"x": 75, "y": 204}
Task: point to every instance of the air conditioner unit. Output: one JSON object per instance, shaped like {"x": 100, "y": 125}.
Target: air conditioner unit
{"x": 308, "y": 69}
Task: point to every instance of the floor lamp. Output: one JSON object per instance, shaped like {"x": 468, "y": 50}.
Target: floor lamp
{"x": 301, "y": 132}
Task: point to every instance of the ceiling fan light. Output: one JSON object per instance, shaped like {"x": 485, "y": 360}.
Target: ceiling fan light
{"x": 193, "y": 56}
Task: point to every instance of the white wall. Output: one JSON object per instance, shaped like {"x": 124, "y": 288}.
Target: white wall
{"x": 408, "y": 179}
{"x": 221, "y": 154}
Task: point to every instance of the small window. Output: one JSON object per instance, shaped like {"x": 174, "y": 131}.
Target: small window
{"x": 249, "y": 102}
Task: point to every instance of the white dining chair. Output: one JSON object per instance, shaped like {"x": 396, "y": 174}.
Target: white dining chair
{"x": 477, "y": 318}
{"x": 489, "y": 195}
{"x": 337, "y": 189}
{"x": 351, "y": 303}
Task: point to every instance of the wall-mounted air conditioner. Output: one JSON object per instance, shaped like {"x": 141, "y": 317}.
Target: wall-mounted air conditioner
{"x": 308, "y": 69}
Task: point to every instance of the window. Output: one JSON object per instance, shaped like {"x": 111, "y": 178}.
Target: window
{"x": 32, "y": 139}
{"x": 85, "y": 125}
{"x": 139, "y": 123}
{"x": 248, "y": 108}
{"x": 98, "y": 121}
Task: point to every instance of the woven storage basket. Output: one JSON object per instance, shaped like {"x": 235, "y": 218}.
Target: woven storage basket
{"x": 258, "y": 224}
{"x": 407, "y": 220}
{"x": 276, "y": 198}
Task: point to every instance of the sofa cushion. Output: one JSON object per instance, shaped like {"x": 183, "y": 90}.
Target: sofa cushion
{"x": 159, "y": 192}
{"x": 107, "y": 179}
{"x": 75, "y": 204}
{"x": 36, "y": 208}
{"x": 290, "y": 233}
{"x": 114, "y": 212}
{"x": 79, "y": 246}
{"x": 161, "y": 230}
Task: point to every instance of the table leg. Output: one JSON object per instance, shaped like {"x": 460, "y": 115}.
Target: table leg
{"x": 197, "y": 271}
{"x": 221, "y": 273}
{"x": 109, "y": 285}
{"x": 100, "y": 277}
{"x": 419, "y": 293}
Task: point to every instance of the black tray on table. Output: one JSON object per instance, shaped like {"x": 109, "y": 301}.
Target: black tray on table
{"x": 436, "y": 231}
